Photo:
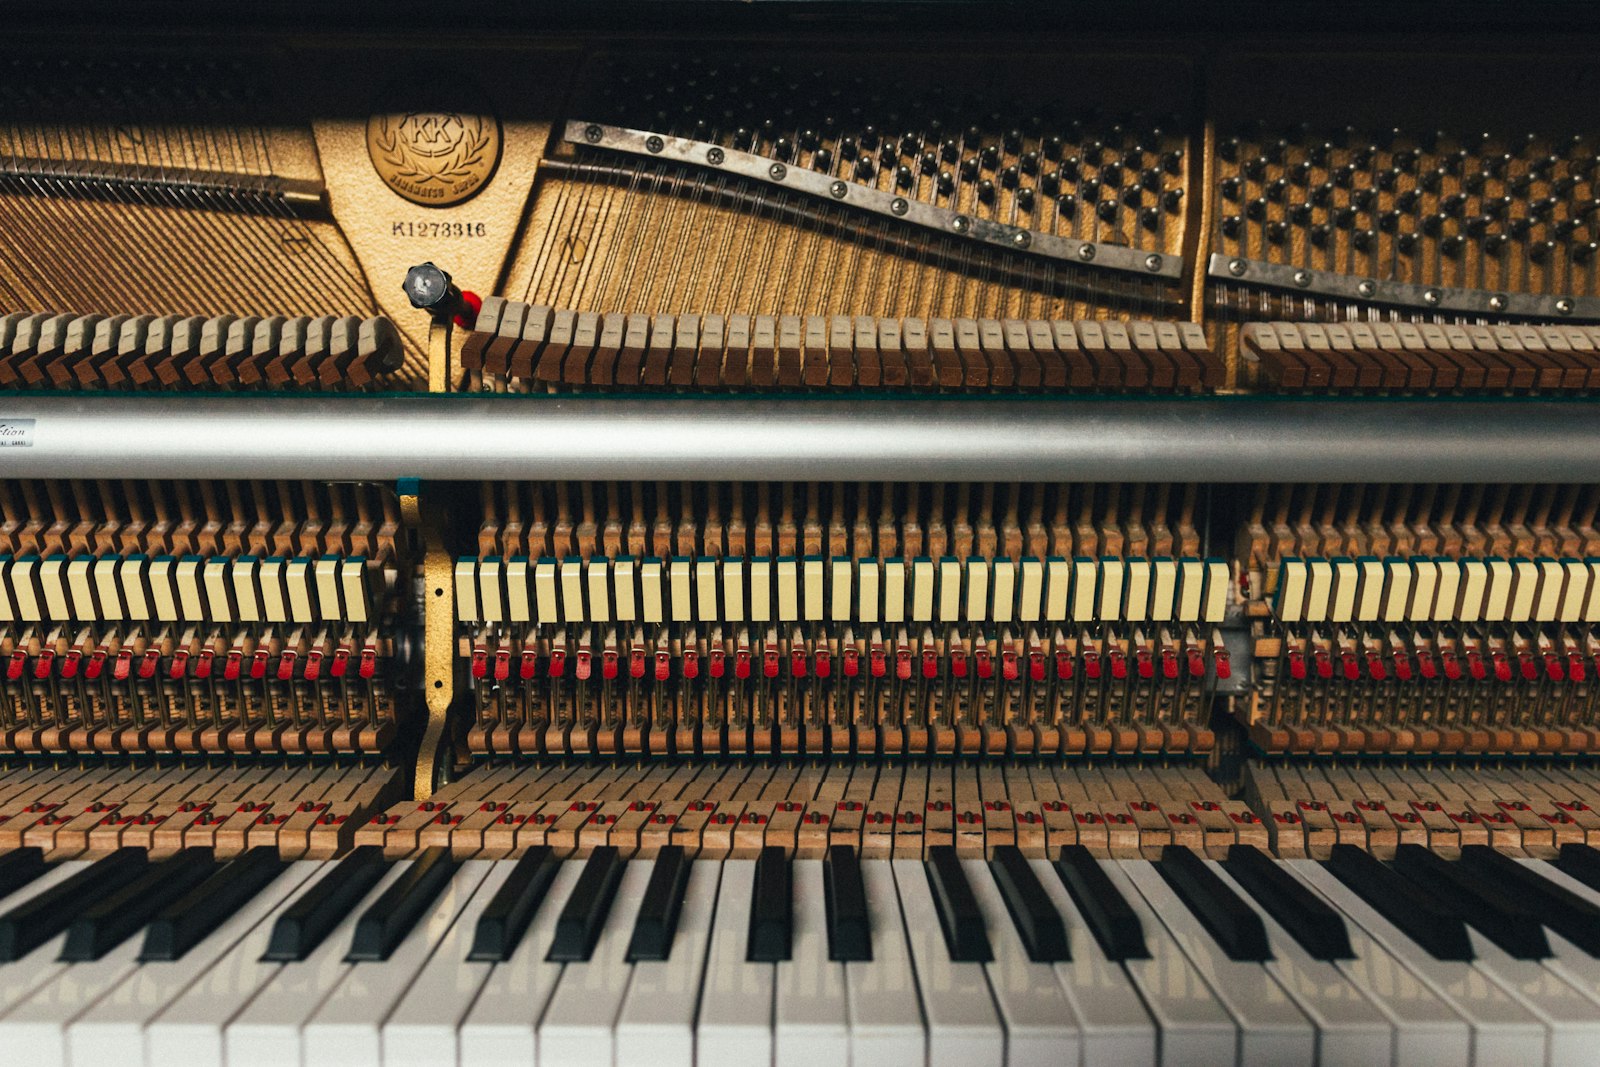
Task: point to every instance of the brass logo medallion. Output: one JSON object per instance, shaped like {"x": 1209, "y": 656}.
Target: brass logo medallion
{"x": 437, "y": 155}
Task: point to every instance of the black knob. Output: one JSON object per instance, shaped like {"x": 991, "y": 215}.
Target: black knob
{"x": 1150, "y": 219}
{"x": 1025, "y": 198}
{"x": 1172, "y": 199}
{"x": 1010, "y": 176}
{"x": 1321, "y": 234}
{"x": 1231, "y": 225}
{"x": 1495, "y": 243}
{"x": 1406, "y": 244}
{"x": 1231, "y": 188}
{"x": 947, "y": 182}
{"x": 1277, "y": 232}
{"x": 429, "y": 289}
{"x": 1067, "y": 204}
{"x": 1300, "y": 214}
{"x": 1541, "y": 251}
{"x": 903, "y": 176}
{"x": 986, "y": 191}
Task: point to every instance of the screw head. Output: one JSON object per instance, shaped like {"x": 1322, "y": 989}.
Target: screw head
{"x": 1302, "y": 278}
{"x": 1021, "y": 239}
{"x": 715, "y": 156}
{"x": 1237, "y": 267}
{"x": 898, "y": 205}
{"x": 654, "y": 143}
{"x": 778, "y": 172}
{"x": 1086, "y": 252}
{"x": 1497, "y": 302}
{"x": 1431, "y": 297}
{"x": 837, "y": 190}
{"x": 593, "y": 133}
{"x": 1564, "y": 306}
{"x": 1367, "y": 287}
{"x": 960, "y": 223}
{"x": 1152, "y": 262}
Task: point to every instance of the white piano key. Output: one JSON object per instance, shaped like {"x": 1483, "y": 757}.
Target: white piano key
{"x": 1571, "y": 1017}
{"x": 20, "y": 978}
{"x": 1574, "y": 594}
{"x": 1030, "y": 593}
{"x": 886, "y": 1025}
{"x": 569, "y": 576}
{"x": 922, "y": 583}
{"x": 325, "y": 573}
{"x": 760, "y": 590}
{"x": 1503, "y": 1030}
{"x": 597, "y": 575}
{"x": 188, "y": 1027}
{"x": 34, "y": 1030}
{"x": 839, "y": 591}
{"x": 488, "y": 582}
{"x": 1136, "y": 599}
{"x": 1524, "y": 587}
{"x": 964, "y": 1029}
{"x": 1003, "y": 599}
{"x": 347, "y": 1027}
{"x": 53, "y": 587}
{"x": 949, "y": 590}
{"x": 1194, "y": 1026}
{"x": 1289, "y": 601}
{"x": 1448, "y": 595}
{"x": 814, "y": 594}
{"x": 118, "y": 1022}
{"x": 1163, "y": 589}
{"x": 1191, "y": 589}
{"x": 734, "y": 1027}
{"x": 656, "y": 1025}
{"x": 546, "y": 599}
{"x": 1041, "y": 1027}
{"x": 1427, "y": 1031}
{"x": 1219, "y": 581}
{"x": 266, "y": 1033}
{"x": 422, "y": 1029}
{"x": 1350, "y": 1029}
{"x": 732, "y": 590}
{"x": 578, "y": 1024}
{"x": 467, "y": 591}
{"x": 1115, "y": 1026}
{"x": 1369, "y": 589}
{"x": 1474, "y": 583}
{"x": 812, "y": 1024}
{"x": 502, "y": 1026}
{"x": 519, "y": 603}
{"x": 1113, "y": 586}
{"x": 1572, "y": 963}
{"x": 1272, "y": 1029}
{"x": 868, "y": 589}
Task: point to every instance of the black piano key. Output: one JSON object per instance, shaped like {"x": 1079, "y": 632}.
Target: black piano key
{"x": 186, "y": 921}
{"x": 1233, "y": 923}
{"x": 1416, "y": 914}
{"x": 849, "y": 925}
{"x": 771, "y": 908}
{"x": 388, "y": 920}
{"x": 578, "y": 926}
{"x": 1497, "y": 915}
{"x": 657, "y": 923}
{"x": 113, "y": 919}
{"x": 505, "y": 920}
{"x": 35, "y": 921}
{"x": 964, "y": 932}
{"x": 1581, "y": 862}
{"x": 1112, "y": 921}
{"x": 1036, "y": 919}
{"x": 1306, "y": 916}
{"x": 1567, "y": 913}
{"x": 311, "y": 918}
{"x": 19, "y": 867}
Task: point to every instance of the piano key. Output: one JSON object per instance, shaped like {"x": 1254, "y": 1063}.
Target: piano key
{"x": 119, "y": 1021}
{"x": 41, "y": 917}
{"x": 1194, "y": 1025}
{"x": 1272, "y": 1029}
{"x": 734, "y": 1026}
{"x": 1301, "y": 913}
{"x": 584, "y": 914}
{"x": 771, "y": 908}
{"x": 189, "y": 1026}
{"x": 1230, "y": 921}
{"x": 1350, "y": 1028}
{"x": 20, "y": 867}
{"x": 1576, "y": 965}
{"x": 577, "y": 1026}
{"x": 811, "y": 1021}
{"x": 1439, "y": 932}
{"x": 657, "y": 1020}
{"x": 1503, "y": 1029}
{"x": 886, "y": 1023}
{"x": 963, "y": 1025}
{"x": 1041, "y": 1027}
{"x": 505, "y": 919}
{"x": 1568, "y": 913}
{"x": 306, "y": 922}
{"x": 27, "y": 972}
{"x": 347, "y": 1027}
{"x": 1107, "y": 913}
{"x": 849, "y": 933}
{"x": 1581, "y": 862}
{"x": 113, "y": 919}
{"x": 391, "y": 917}
{"x": 502, "y": 1025}
{"x": 1495, "y": 914}
{"x": 657, "y": 924}
{"x": 192, "y": 917}
{"x": 1036, "y": 919}
{"x": 964, "y": 931}
{"x": 1112, "y": 1018}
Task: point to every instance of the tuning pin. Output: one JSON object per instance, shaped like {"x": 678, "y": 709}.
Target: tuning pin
{"x": 1150, "y": 219}
{"x": 1321, "y": 234}
{"x": 869, "y": 137}
{"x": 947, "y": 183}
{"x": 1067, "y": 205}
{"x": 1050, "y": 183}
{"x": 865, "y": 168}
{"x": 1542, "y": 251}
{"x": 1361, "y": 199}
{"x": 1406, "y": 243}
{"x": 1010, "y": 176}
{"x": 986, "y": 191}
{"x": 1107, "y": 210}
{"x": 1495, "y": 243}
{"x": 1277, "y": 232}
{"x": 990, "y": 156}
{"x": 1300, "y": 214}
{"x": 1231, "y": 225}
{"x": 1364, "y": 240}
{"x": 1389, "y": 221}
{"x": 1172, "y": 199}
{"x": 822, "y": 160}
{"x": 903, "y": 178}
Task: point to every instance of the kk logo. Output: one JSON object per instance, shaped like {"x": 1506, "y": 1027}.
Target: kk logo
{"x": 439, "y": 154}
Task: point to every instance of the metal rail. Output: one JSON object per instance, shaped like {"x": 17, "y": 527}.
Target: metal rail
{"x": 1215, "y": 439}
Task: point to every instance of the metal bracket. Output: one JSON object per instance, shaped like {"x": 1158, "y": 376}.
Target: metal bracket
{"x": 824, "y": 187}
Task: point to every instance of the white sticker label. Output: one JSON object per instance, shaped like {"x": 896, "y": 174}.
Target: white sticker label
{"x": 16, "y": 433}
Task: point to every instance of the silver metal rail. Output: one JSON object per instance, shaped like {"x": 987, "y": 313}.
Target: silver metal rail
{"x": 1218, "y": 439}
